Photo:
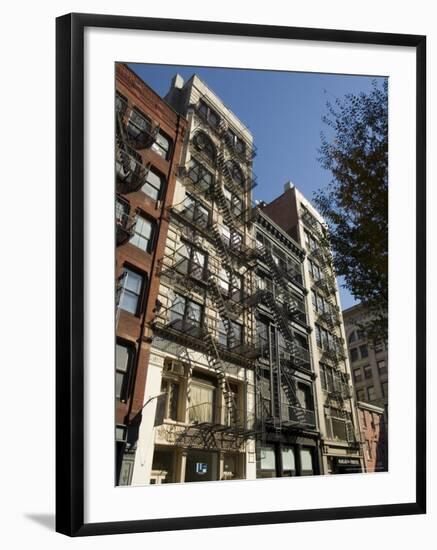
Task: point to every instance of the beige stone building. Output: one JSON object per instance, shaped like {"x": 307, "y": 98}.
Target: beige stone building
{"x": 369, "y": 360}
{"x": 199, "y": 398}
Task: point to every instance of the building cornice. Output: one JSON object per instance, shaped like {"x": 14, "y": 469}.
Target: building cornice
{"x": 279, "y": 234}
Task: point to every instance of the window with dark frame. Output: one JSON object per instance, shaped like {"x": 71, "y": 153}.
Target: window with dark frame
{"x": 143, "y": 233}
{"x": 367, "y": 372}
{"x": 153, "y": 187}
{"x": 131, "y": 292}
{"x": 123, "y": 360}
{"x": 162, "y": 145}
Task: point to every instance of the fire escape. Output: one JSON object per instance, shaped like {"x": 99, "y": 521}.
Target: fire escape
{"x": 203, "y": 282}
{"x": 334, "y": 355}
{"x": 132, "y": 133}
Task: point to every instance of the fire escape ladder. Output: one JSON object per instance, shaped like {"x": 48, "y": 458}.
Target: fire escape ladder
{"x": 223, "y": 205}
{"x": 221, "y": 248}
{"x": 215, "y": 363}
{"x": 222, "y": 309}
{"x": 290, "y": 392}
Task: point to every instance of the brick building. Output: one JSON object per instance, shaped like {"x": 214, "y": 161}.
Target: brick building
{"x": 149, "y": 137}
{"x": 373, "y": 436}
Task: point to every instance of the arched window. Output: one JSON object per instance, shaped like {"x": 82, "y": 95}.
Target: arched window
{"x": 235, "y": 172}
{"x": 205, "y": 144}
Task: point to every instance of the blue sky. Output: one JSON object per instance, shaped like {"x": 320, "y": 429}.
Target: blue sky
{"x": 284, "y": 112}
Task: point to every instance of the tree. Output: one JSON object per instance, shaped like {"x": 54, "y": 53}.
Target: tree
{"x": 355, "y": 202}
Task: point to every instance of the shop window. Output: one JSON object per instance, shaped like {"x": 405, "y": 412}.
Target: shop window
{"x": 306, "y": 460}
{"x": 288, "y": 462}
{"x": 267, "y": 461}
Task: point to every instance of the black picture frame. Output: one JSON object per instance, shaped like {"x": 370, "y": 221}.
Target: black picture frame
{"x": 70, "y": 273}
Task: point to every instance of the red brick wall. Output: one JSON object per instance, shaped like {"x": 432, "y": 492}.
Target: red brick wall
{"x": 373, "y": 433}
{"x": 135, "y": 329}
{"x": 283, "y": 211}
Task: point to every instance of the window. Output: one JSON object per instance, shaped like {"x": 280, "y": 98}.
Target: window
{"x": 235, "y": 204}
{"x": 384, "y": 386}
{"x": 195, "y": 211}
{"x": 354, "y": 354}
{"x": 322, "y": 370}
{"x": 352, "y": 337}
{"x": 235, "y": 142}
{"x": 143, "y": 234}
{"x": 191, "y": 261}
{"x": 367, "y": 372}
{"x": 123, "y": 360}
{"x": 306, "y": 460}
{"x": 232, "y": 338}
{"x": 336, "y": 423}
{"x": 382, "y": 367}
{"x": 120, "y": 103}
{"x": 162, "y": 145}
{"x": 204, "y": 143}
{"x": 200, "y": 175}
{"x": 209, "y": 114}
{"x": 267, "y": 461}
{"x": 303, "y": 394}
{"x": 230, "y": 237}
{"x": 130, "y": 298}
{"x": 153, "y": 186}
{"x": 364, "y": 352}
{"x": 122, "y": 208}
{"x": 379, "y": 346}
{"x": 357, "y": 375}
{"x": 202, "y": 399}
{"x": 288, "y": 462}
{"x": 171, "y": 389}
{"x": 186, "y": 312}
{"x": 235, "y": 172}
{"x": 138, "y": 124}
{"x": 371, "y": 394}
{"x": 314, "y": 270}
{"x": 361, "y": 395}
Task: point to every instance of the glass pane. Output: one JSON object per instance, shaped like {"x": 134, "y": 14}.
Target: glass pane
{"x": 268, "y": 458}
{"x": 129, "y": 302}
{"x": 133, "y": 281}
{"x": 288, "y": 462}
{"x": 121, "y": 357}
{"x": 119, "y": 377}
{"x": 306, "y": 459}
{"x": 177, "y": 308}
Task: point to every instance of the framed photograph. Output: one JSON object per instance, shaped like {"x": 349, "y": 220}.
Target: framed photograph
{"x": 240, "y": 274}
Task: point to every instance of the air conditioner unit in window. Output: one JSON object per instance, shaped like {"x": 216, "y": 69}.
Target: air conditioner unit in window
{"x": 174, "y": 367}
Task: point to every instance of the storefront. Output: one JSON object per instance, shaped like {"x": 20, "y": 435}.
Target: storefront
{"x": 345, "y": 465}
{"x": 287, "y": 460}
